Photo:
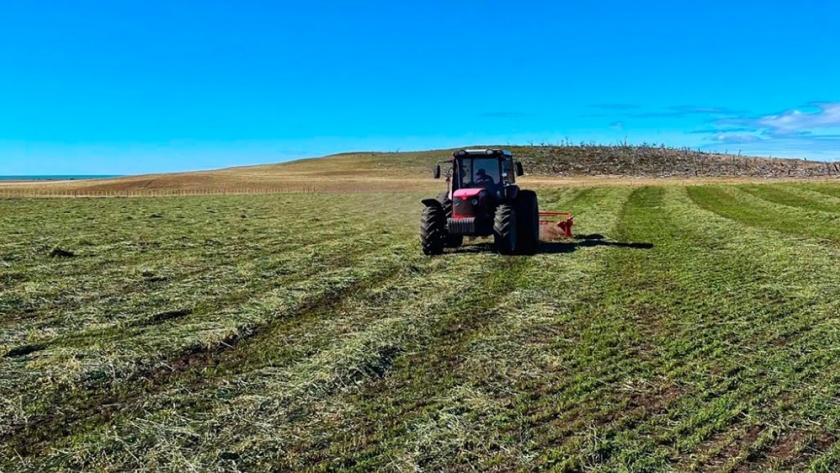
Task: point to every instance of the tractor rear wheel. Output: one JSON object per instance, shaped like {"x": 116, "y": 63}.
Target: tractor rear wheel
{"x": 504, "y": 230}
{"x": 452, "y": 241}
{"x": 528, "y": 220}
{"x": 432, "y": 230}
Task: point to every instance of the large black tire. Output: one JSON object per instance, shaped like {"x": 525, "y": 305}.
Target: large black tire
{"x": 528, "y": 222}
{"x": 432, "y": 230}
{"x": 452, "y": 241}
{"x": 504, "y": 230}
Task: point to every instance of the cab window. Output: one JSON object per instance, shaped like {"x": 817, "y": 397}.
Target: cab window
{"x": 507, "y": 168}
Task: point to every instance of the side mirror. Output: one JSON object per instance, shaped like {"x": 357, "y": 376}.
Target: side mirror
{"x": 519, "y": 170}
{"x": 437, "y": 171}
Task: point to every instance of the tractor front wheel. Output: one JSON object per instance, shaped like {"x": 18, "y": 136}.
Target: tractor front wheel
{"x": 504, "y": 230}
{"x": 432, "y": 230}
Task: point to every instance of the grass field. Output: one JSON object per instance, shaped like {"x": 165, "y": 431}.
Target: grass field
{"x": 685, "y": 328}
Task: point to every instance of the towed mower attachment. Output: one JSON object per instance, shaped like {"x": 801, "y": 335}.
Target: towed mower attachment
{"x": 564, "y": 225}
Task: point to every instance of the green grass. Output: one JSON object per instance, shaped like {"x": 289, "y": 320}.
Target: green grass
{"x": 686, "y": 329}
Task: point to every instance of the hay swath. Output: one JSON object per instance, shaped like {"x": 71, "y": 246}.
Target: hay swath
{"x": 564, "y": 224}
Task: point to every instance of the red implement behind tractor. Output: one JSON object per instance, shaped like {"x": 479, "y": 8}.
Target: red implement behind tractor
{"x": 565, "y": 225}
{"x": 483, "y": 200}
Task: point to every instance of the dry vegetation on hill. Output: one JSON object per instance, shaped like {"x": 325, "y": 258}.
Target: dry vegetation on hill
{"x": 661, "y": 161}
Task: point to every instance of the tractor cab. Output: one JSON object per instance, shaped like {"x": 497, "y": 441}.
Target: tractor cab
{"x": 488, "y": 169}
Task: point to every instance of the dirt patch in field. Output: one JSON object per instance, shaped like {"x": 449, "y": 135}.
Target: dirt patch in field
{"x": 732, "y": 450}
{"x": 793, "y": 451}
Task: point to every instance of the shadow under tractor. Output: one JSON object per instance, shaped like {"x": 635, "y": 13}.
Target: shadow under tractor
{"x": 484, "y": 200}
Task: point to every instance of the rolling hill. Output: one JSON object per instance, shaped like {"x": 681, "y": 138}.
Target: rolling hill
{"x": 411, "y": 171}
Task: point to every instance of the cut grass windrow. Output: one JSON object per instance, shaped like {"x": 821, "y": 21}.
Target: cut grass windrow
{"x": 234, "y": 324}
{"x": 752, "y": 211}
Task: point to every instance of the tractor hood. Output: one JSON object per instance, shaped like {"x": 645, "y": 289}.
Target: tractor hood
{"x": 467, "y": 193}
{"x": 469, "y": 203}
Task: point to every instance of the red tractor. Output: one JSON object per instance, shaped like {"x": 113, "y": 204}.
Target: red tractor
{"x": 484, "y": 200}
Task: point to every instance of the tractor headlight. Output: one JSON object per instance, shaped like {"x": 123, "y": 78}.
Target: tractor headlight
{"x": 474, "y": 201}
{"x": 457, "y": 201}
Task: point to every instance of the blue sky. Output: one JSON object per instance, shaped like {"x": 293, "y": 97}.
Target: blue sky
{"x": 147, "y": 86}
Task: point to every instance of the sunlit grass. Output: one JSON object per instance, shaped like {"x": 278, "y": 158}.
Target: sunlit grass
{"x": 686, "y": 328}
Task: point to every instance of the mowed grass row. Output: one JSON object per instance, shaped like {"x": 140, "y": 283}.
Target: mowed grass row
{"x": 197, "y": 298}
{"x": 686, "y": 328}
{"x": 120, "y": 335}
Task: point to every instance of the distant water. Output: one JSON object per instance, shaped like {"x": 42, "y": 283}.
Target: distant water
{"x": 53, "y": 178}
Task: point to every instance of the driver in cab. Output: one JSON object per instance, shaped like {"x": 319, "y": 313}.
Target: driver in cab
{"x": 482, "y": 179}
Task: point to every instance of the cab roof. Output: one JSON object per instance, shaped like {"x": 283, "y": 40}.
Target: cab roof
{"x": 482, "y": 152}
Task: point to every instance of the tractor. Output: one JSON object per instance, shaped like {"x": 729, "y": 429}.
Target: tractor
{"x": 484, "y": 200}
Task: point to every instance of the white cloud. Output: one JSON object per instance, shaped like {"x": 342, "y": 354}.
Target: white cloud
{"x": 738, "y": 138}
{"x": 813, "y": 132}
{"x": 796, "y": 121}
